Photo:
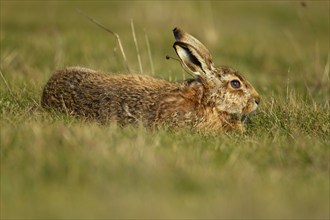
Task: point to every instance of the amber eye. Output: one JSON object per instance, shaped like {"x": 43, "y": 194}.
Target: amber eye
{"x": 235, "y": 84}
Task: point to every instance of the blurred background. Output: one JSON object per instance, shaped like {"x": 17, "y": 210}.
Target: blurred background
{"x": 271, "y": 42}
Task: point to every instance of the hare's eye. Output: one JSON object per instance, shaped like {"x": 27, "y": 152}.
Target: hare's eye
{"x": 235, "y": 84}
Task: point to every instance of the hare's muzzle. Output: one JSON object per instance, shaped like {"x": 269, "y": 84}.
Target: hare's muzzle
{"x": 250, "y": 109}
{"x": 255, "y": 101}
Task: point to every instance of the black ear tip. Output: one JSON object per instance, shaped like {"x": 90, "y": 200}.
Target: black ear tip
{"x": 177, "y": 33}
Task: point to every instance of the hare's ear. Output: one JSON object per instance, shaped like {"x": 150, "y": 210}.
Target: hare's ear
{"x": 194, "y": 56}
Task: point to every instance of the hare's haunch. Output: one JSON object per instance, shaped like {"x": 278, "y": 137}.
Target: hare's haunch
{"x": 218, "y": 99}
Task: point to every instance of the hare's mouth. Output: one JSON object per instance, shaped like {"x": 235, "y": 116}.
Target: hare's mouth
{"x": 244, "y": 117}
{"x": 239, "y": 117}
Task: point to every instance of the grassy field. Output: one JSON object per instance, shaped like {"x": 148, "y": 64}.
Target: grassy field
{"x": 55, "y": 166}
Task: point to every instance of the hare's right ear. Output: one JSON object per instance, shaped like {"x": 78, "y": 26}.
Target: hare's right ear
{"x": 194, "y": 56}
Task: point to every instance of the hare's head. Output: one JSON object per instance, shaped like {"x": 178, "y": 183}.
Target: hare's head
{"x": 226, "y": 89}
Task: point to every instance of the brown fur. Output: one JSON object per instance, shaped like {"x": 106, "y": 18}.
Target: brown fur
{"x": 206, "y": 103}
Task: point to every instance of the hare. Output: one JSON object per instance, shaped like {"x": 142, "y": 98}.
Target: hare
{"x": 218, "y": 99}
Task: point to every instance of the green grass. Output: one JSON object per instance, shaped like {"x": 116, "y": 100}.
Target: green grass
{"x": 55, "y": 166}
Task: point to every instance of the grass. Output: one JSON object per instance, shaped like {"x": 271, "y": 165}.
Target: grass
{"x": 55, "y": 166}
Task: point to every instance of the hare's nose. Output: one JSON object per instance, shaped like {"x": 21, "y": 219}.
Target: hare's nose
{"x": 257, "y": 100}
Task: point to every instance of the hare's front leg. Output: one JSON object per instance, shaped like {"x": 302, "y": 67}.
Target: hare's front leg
{"x": 234, "y": 125}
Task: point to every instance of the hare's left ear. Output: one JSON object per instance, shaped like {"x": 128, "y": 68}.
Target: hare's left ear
{"x": 194, "y": 56}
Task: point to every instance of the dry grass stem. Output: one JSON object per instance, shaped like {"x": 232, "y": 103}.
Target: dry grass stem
{"x": 8, "y": 88}
{"x": 149, "y": 53}
{"x": 111, "y": 32}
{"x": 136, "y": 47}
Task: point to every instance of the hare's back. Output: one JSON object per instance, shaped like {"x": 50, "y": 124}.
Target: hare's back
{"x": 79, "y": 76}
{"x": 94, "y": 94}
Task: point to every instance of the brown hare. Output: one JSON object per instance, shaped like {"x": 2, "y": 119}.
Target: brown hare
{"x": 218, "y": 99}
